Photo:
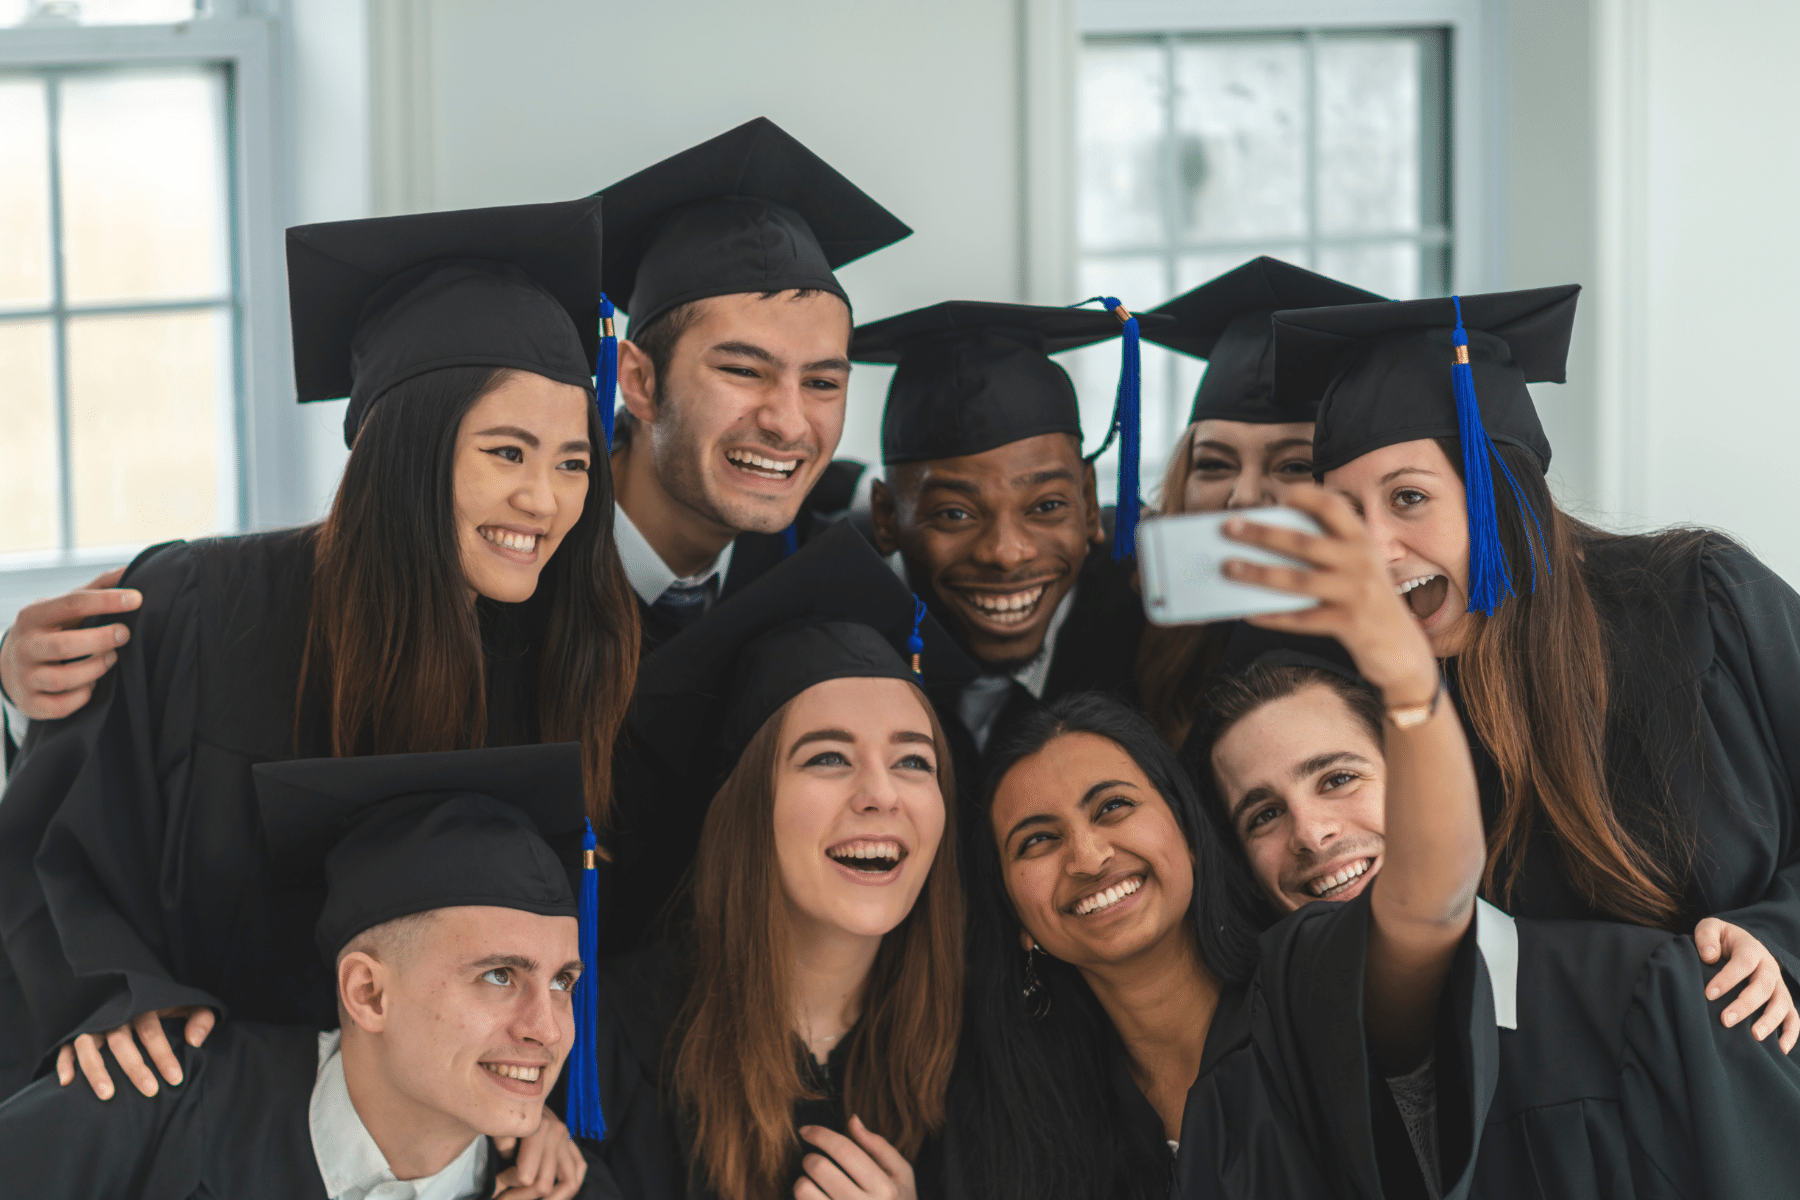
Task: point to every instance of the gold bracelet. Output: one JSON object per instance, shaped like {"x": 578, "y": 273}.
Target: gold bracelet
{"x": 1410, "y": 715}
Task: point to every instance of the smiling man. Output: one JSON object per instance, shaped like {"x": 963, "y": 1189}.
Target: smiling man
{"x": 992, "y": 506}
{"x": 734, "y": 378}
{"x": 453, "y": 927}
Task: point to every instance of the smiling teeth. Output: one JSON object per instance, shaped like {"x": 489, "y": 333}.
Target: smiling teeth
{"x": 522, "y": 1074}
{"x": 1108, "y": 898}
{"x": 1010, "y": 609}
{"x": 883, "y": 850}
{"x": 1410, "y": 584}
{"x": 761, "y": 465}
{"x": 525, "y": 543}
{"x": 1337, "y": 879}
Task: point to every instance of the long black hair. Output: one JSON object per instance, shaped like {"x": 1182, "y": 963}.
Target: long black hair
{"x": 1034, "y": 1104}
{"x": 393, "y": 647}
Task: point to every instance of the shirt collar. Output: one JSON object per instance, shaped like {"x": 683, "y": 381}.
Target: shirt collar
{"x": 645, "y": 570}
{"x": 1034, "y": 675}
{"x": 353, "y": 1166}
{"x": 984, "y": 697}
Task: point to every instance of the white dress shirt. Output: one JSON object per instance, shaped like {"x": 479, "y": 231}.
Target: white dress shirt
{"x": 645, "y": 570}
{"x": 353, "y": 1166}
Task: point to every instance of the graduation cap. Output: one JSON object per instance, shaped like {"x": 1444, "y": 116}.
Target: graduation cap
{"x": 1226, "y": 321}
{"x": 398, "y": 834}
{"x": 751, "y": 210}
{"x": 832, "y": 610}
{"x": 973, "y": 375}
{"x": 378, "y": 301}
{"x": 1404, "y": 371}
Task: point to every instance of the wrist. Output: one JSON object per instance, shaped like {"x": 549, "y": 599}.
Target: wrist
{"x": 1409, "y": 714}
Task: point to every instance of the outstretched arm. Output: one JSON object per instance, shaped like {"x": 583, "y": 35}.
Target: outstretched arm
{"x": 1422, "y": 902}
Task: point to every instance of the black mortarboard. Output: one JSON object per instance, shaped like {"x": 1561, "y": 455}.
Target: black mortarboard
{"x": 1404, "y": 371}
{"x": 973, "y": 375}
{"x": 1226, "y": 322}
{"x": 378, "y": 301}
{"x": 399, "y": 834}
{"x": 833, "y": 610}
{"x": 751, "y": 210}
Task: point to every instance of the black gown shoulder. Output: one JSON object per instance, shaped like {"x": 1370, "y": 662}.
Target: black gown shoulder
{"x": 131, "y": 864}
{"x": 1288, "y": 1101}
{"x": 1619, "y": 1080}
{"x": 237, "y": 1125}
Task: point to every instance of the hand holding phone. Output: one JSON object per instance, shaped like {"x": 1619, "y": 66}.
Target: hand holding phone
{"x": 1180, "y": 560}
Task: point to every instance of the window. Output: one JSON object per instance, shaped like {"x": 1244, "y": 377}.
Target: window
{"x": 1198, "y": 151}
{"x": 141, "y": 290}
{"x": 117, "y": 307}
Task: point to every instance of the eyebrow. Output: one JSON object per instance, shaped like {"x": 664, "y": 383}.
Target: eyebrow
{"x": 899, "y": 737}
{"x": 1285, "y": 443}
{"x": 1309, "y": 766}
{"x": 531, "y": 439}
{"x": 517, "y": 962}
{"x": 751, "y": 350}
{"x": 1087, "y": 798}
{"x": 1038, "y": 478}
{"x": 1395, "y": 474}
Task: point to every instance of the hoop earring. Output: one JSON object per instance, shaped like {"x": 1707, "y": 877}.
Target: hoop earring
{"x": 1037, "y": 996}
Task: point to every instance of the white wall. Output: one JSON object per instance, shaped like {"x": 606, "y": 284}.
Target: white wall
{"x": 1701, "y": 411}
{"x": 917, "y": 103}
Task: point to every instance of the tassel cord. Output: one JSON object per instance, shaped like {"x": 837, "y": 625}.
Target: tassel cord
{"x": 584, "y": 1117}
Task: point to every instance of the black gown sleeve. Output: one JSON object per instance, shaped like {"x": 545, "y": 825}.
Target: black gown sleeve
{"x": 86, "y": 869}
{"x": 65, "y": 1141}
{"x": 644, "y": 1152}
{"x": 1289, "y": 1112}
{"x": 1753, "y": 694}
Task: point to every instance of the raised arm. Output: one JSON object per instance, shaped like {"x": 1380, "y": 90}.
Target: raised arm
{"x": 1422, "y": 902}
{"x": 49, "y": 662}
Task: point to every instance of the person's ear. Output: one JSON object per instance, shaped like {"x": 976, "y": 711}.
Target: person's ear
{"x": 637, "y": 382}
{"x": 885, "y": 517}
{"x": 1026, "y": 941}
{"x": 362, "y": 991}
{"x": 1090, "y": 496}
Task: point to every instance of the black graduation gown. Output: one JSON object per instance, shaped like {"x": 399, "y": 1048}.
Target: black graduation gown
{"x": 236, "y": 1126}
{"x": 1287, "y": 1102}
{"x": 649, "y": 1146}
{"x": 1620, "y": 1082}
{"x": 133, "y": 874}
{"x": 1705, "y": 681}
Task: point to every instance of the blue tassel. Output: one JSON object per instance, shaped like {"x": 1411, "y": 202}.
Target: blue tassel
{"x": 915, "y": 644}
{"x": 584, "y": 1118}
{"x": 1490, "y": 581}
{"x": 790, "y": 538}
{"x": 1125, "y": 516}
{"x": 606, "y": 371}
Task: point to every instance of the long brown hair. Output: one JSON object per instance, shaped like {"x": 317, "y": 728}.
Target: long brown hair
{"x": 1534, "y": 680}
{"x": 1168, "y": 656}
{"x": 393, "y": 646}
{"x": 736, "y": 1071}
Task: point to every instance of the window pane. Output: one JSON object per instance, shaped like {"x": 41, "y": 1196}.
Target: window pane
{"x": 1121, "y": 138}
{"x": 1369, "y": 136}
{"x": 1388, "y": 269}
{"x": 24, "y": 194}
{"x": 1240, "y": 127}
{"x": 149, "y": 413}
{"x": 144, "y": 205}
{"x": 97, "y": 12}
{"x": 28, "y": 485}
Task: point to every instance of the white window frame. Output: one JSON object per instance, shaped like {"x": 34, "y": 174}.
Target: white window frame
{"x": 247, "y": 44}
{"x": 1052, "y": 36}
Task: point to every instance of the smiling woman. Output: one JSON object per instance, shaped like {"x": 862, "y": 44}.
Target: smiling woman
{"x": 794, "y": 1035}
{"x": 464, "y": 591}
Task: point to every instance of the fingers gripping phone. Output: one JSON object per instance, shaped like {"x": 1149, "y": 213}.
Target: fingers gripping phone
{"x": 1181, "y": 561}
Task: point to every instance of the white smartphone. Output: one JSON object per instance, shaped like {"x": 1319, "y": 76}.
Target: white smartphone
{"x": 1180, "y": 561}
